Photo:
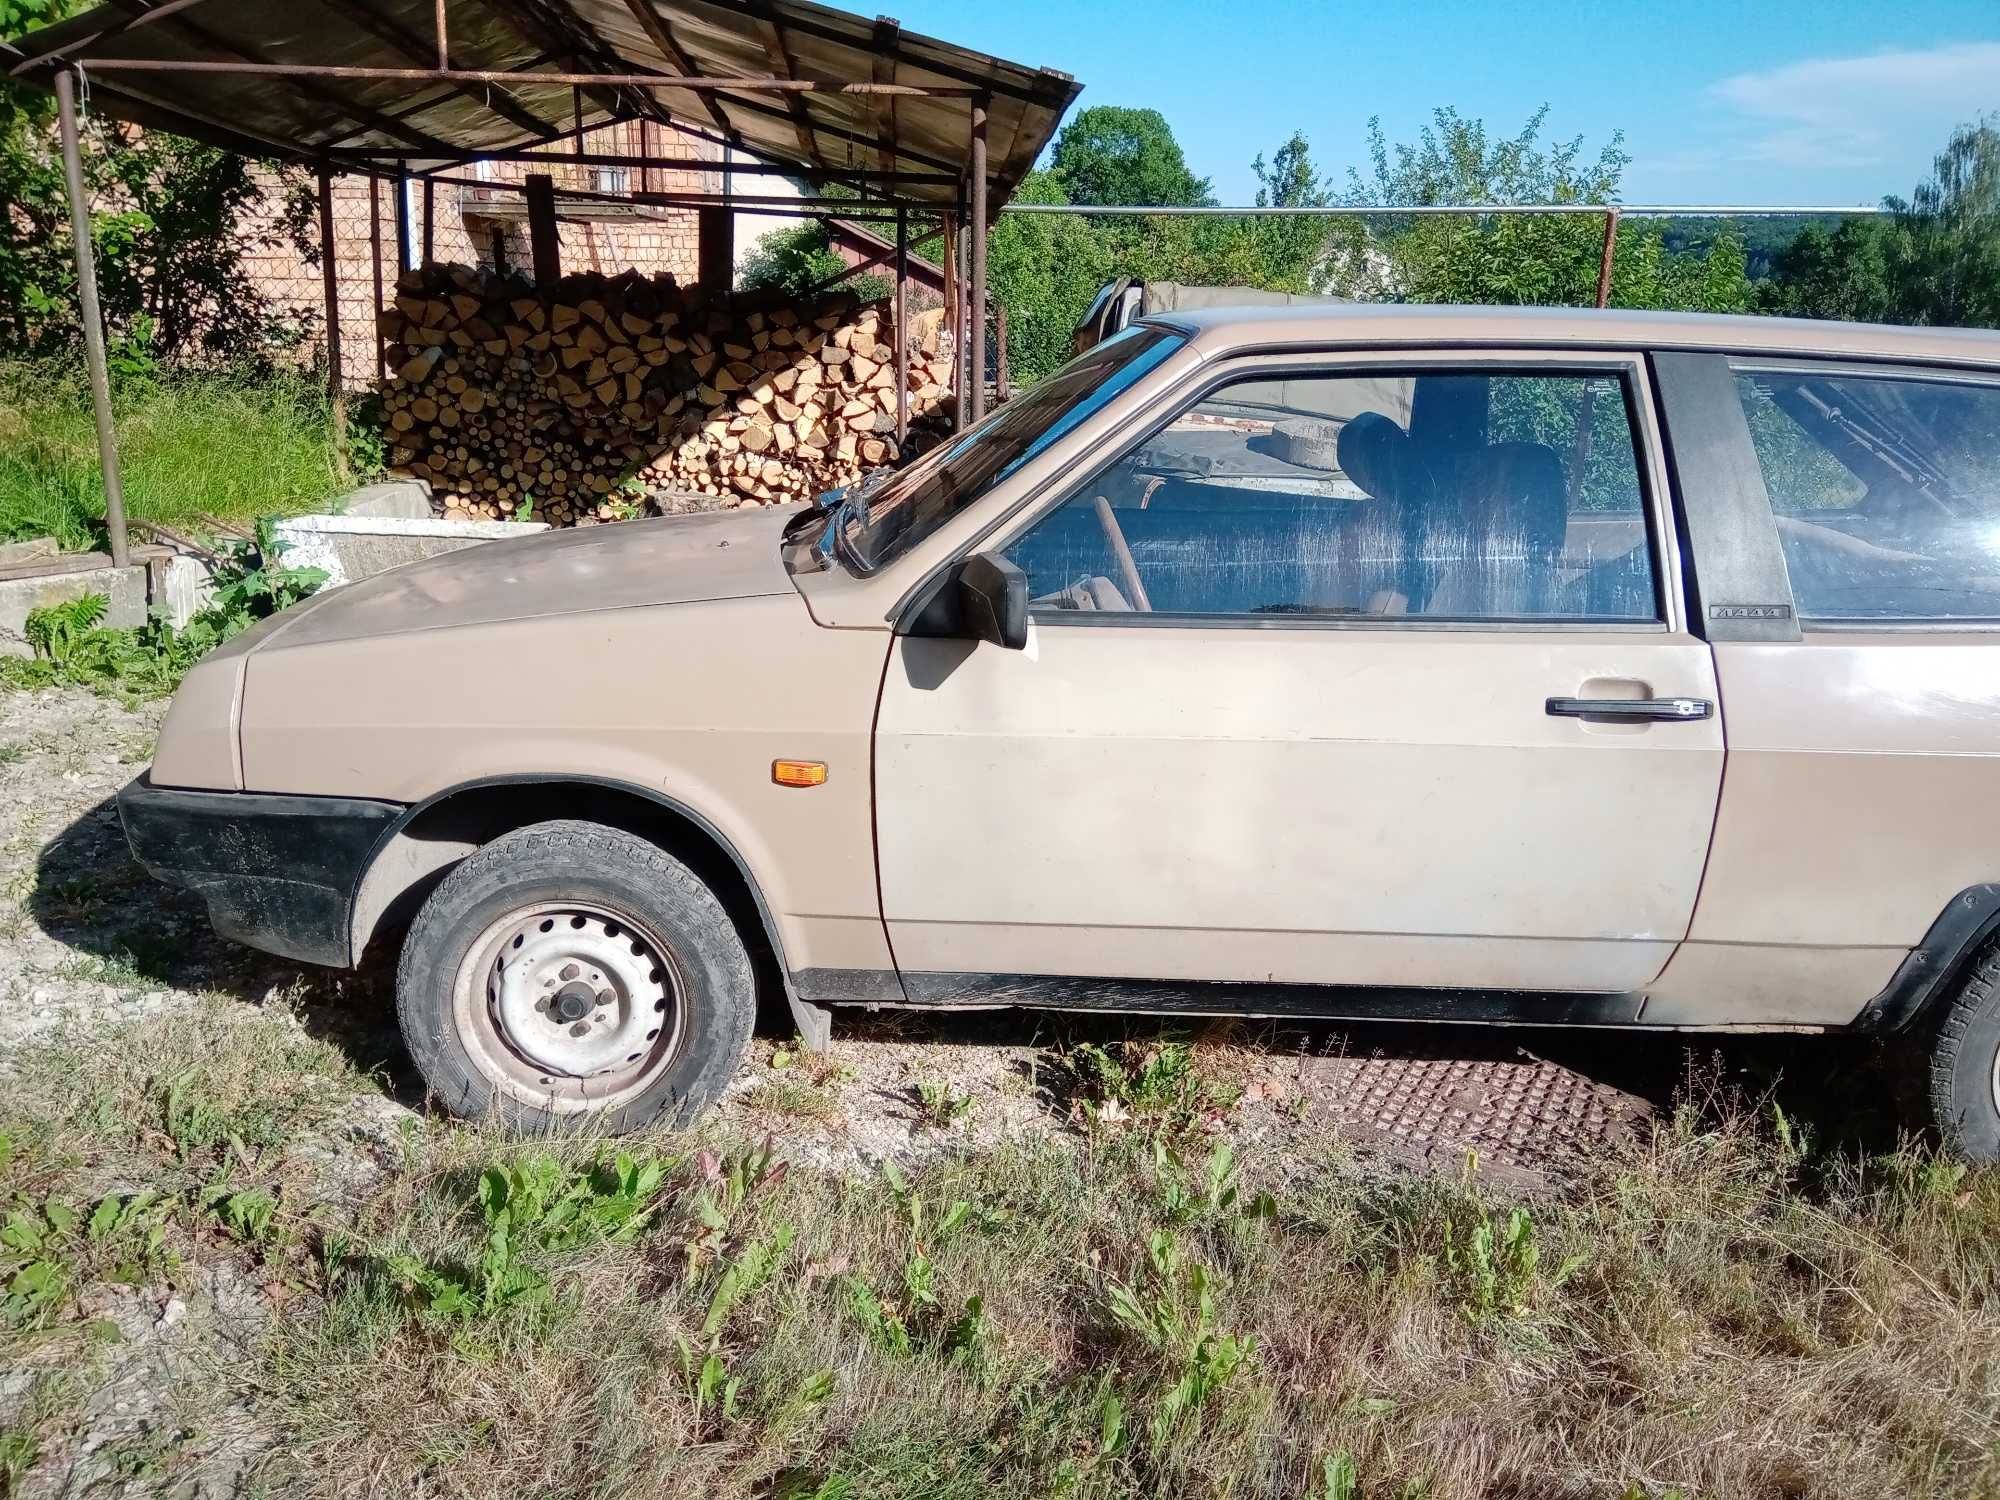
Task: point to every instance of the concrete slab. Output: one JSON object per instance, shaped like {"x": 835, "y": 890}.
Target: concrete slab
{"x": 352, "y": 548}
{"x": 395, "y": 499}
{"x": 124, "y": 590}
{"x": 32, "y": 550}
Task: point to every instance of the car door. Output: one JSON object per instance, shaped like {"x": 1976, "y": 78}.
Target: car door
{"x": 1366, "y": 672}
{"x": 1851, "y": 511}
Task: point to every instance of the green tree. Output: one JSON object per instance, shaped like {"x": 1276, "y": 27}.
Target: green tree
{"x": 1843, "y": 272}
{"x": 1110, "y": 155}
{"x": 168, "y": 223}
{"x": 1946, "y": 254}
{"x": 1548, "y": 259}
{"x": 1044, "y": 268}
{"x": 1933, "y": 258}
{"x": 795, "y": 259}
{"x": 1289, "y": 254}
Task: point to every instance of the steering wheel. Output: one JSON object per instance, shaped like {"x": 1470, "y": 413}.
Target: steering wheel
{"x": 1128, "y": 571}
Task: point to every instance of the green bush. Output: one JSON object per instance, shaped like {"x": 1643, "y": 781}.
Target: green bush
{"x": 72, "y": 645}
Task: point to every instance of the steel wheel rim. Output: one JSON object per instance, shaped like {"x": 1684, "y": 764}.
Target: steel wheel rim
{"x": 1993, "y": 1081}
{"x": 570, "y": 1006}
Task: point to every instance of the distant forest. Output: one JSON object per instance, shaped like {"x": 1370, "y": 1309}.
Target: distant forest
{"x": 1763, "y": 239}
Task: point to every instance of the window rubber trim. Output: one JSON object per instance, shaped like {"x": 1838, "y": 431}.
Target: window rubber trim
{"x": 1206, "y": 378}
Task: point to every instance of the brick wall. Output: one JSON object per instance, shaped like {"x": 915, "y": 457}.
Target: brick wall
{"x": 482, "y": 227}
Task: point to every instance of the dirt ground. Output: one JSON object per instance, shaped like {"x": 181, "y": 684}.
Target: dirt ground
{"x": 89, "y": 946}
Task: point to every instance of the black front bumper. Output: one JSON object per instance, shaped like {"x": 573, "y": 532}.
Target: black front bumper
{"x": 278, "y": 872}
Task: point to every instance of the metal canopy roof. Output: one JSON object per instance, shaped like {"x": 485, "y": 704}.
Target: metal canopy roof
{"x": 367, "y": 82}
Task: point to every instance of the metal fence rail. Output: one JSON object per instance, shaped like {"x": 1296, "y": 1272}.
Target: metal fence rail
{"x": 1610, "y": 213}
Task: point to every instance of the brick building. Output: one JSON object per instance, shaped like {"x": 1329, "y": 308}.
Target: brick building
{"x": 484, "y": 226}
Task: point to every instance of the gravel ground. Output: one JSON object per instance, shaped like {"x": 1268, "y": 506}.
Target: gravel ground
{"x": 87, "y": 942}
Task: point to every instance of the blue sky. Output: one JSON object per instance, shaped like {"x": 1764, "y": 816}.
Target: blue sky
{"x": 1781, "y": 102}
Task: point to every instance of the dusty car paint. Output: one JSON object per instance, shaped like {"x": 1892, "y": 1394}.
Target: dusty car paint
{"x": 1331, "y": 803}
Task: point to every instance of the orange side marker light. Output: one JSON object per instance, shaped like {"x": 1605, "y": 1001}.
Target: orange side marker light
{"x": 799, "y": 772}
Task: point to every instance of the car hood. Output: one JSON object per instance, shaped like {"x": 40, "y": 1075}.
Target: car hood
{"x": 730, "y": 554}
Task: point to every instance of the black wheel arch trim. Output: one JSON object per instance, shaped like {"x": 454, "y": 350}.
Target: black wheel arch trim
{"x": 812, "y": 1020}
{"x": 276, "y": 872}
{"x": 1927, "y": 973}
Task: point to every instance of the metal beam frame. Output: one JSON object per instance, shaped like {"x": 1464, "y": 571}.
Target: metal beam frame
{"x": 661, "y": 33}
{"x": 407, "y": 42}
{"x": 976, "y": 376}
{"x": 531, "y": 21}
{"x": 93, "y": 321}
{"x": 1047, "y": 81}
{"x": 135, "y": 17}
{"x": 303, "y": 83}
{"x": 754, "y": 83}
{"x": 902, "y": 328}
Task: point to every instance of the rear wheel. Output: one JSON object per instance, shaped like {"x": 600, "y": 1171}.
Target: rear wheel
{"x": 1965, "y": 1063}
{"x": 571, "y": 972}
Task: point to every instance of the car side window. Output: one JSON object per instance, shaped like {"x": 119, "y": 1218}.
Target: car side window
{"x": 1886, "y": 490}
{"x": 1446, "y": 495}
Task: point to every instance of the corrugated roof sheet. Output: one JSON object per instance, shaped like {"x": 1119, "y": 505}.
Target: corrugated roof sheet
{"x": 298, "y": 115}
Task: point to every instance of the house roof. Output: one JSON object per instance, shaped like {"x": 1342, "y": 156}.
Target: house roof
{"x": 358, "y": 82}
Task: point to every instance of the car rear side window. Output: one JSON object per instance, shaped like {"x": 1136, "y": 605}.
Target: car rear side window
{"x": 1886, "y": 490}
{"x": 1443, "y": 495}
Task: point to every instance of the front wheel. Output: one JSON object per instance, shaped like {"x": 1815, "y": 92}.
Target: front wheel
{"x": 571, "y": 972}
{"x": 1965, "y": 1063}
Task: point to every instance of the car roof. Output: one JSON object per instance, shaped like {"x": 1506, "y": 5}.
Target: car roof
{"x": 1230, "y": 330}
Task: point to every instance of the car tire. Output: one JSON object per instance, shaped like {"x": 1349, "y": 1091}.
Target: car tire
{"x": 1965, "y": 1063}
{"x": 570, "y": 975}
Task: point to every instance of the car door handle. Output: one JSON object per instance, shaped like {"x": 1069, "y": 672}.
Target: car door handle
{"x": 1669, "y": 710}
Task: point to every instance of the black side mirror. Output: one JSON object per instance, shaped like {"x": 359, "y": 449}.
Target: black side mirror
{"x": 992, "y": 600}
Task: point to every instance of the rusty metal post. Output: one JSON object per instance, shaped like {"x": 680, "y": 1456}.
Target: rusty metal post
{"x": 1000, "y": 381}
{"x": 375, "y": 267}
{"x": 961, "y": 329}
{"x": 544, "y": 240}
{"x": 715, "y": 248}
{"x": 902, "y": 327}
{"x": 336, "y": 393}
{"x": 1604, "y": 265}
{"x": 430, "y": 220}
{"x": 443, "y": 40}
{"x": 977, "y": 343}
{"x": 93, "y": 321}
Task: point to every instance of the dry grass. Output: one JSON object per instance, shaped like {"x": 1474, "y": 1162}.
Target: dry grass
{"x": 1720, "y": 1314}
{"x": 1724, "y": 1312}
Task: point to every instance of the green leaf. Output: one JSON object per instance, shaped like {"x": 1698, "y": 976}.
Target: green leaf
{"x": 105, "y": 1219}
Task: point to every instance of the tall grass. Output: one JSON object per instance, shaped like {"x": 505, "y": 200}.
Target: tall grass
{"x": 225, "y": 445}
{"x": 1724, "y": 1310}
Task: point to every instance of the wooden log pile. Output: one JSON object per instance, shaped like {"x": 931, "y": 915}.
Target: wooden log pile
{"x": 571, "y": 403}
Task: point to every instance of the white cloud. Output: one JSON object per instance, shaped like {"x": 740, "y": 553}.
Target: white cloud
{"x": 1856, "y": 111}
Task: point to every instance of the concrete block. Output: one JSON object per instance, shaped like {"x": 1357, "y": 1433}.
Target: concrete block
{"x": 189, "y": 587}
{"x": 395, "y": 499}
{"x": 352, "y": 548}
{"x": 124, "y": 590}
{"x": 32, "y": 550}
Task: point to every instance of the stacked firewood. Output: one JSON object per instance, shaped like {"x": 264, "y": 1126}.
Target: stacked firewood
{"x": 574, "y": 402}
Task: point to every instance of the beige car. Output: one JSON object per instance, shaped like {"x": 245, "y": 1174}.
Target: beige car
{"x": 1558, "y": 668}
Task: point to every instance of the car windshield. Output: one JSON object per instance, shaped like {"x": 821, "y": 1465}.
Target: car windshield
{"x": 951, "y": 476}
